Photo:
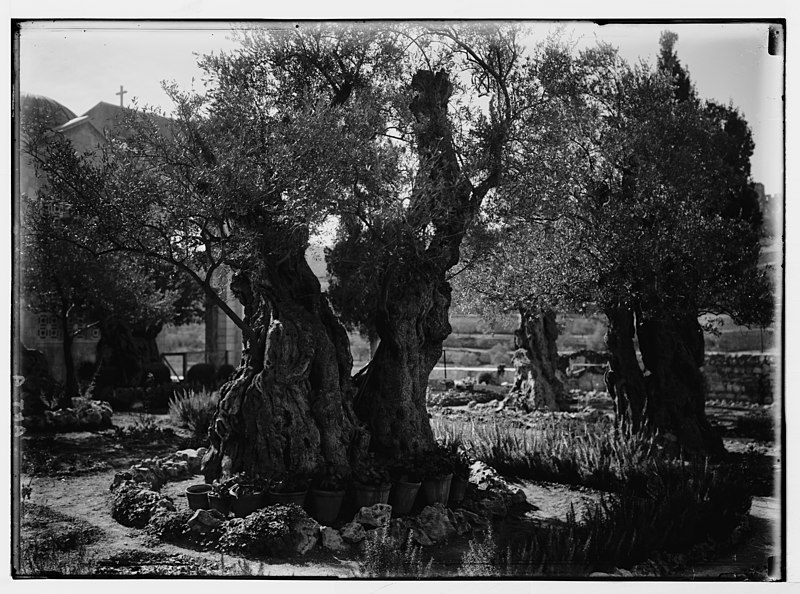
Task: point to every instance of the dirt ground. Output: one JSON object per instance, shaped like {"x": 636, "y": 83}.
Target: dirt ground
{"x": 69, "y": 475}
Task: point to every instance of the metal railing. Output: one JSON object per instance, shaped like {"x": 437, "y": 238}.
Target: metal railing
{"x": 184, "y": 360}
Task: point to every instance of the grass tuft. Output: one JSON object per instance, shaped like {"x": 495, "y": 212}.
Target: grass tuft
{"x": 194, "y": 410}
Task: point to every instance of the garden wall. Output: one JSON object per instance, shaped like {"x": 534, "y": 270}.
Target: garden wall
{"x": 744, "y": 377}
{"x": 749, "y": 377}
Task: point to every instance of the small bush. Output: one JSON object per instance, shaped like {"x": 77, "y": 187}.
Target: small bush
{"x": 384, "y": 557}
{"x": 481, "y": 560}
{"x": 568, "y": 451}
{"x": 194, "y": 410}
{"x": 688, "y": 507}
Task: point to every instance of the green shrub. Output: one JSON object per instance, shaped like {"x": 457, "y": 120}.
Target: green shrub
{"x": 384, "y": 557}
{"x": 194, "y": 410}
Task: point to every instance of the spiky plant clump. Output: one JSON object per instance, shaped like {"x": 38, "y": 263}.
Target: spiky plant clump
{"x": 385, "y": 556}
{"x": 194, "y": 410}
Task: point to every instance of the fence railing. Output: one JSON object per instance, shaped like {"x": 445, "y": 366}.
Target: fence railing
{"x": 183, "y": 360}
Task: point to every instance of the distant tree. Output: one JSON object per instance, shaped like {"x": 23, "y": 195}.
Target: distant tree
{"x": 641, "y": 224}
{"x": 81, "y": 290}
{"x": 669, "y": 64}
{"x": 65, "y": 275}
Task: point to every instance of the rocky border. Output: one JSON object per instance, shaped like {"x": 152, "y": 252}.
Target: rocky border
{"x": 277, "y": 529}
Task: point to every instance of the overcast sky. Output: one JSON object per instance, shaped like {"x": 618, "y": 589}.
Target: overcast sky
{"x": 81, "y": 63}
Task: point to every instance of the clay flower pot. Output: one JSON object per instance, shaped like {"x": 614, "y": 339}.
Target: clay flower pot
{"x": 246, "y": 504}
{"x": 369, "y": 495}
{"x": 403, "y": 496}
{"x": 197, "y": 496}
{"x": 297, "y": 497}
{"x": 326, "y": 505}
{"x": 221, "y": 504}
{"x": 437, "y": 489}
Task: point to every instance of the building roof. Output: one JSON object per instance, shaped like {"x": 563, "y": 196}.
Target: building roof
{"x": 49, "y": 110}
{"x": 107, "y": 116}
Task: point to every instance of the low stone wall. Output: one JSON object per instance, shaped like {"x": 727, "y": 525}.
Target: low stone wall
{"x": 745, "y": 377}
{"x": 741, "y": 376}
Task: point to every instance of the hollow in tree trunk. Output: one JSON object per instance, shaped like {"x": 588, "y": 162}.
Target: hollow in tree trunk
{"x": 288, "y": 407}
{"x": 536, "y": 383}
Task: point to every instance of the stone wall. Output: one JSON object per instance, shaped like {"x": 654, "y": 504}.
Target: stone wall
{"x": 745, "y": 377}
{"x": 749, "y": 377}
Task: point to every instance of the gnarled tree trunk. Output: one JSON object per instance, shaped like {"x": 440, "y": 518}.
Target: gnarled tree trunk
{"x": 412, "y": 318}
{"x": 412, "y": 327}
{"x": 289, "y": 404}
{"x": 127, "y": 354}
{"x": 668, "y": 395}
{"x": 71, "y": 389}
{"x": 624, "y": 379}
{"x": 536, "y": 361}
{"x": 673, "y": 351}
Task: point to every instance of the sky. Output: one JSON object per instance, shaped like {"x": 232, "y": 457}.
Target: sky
{"x": 80, "y": 63}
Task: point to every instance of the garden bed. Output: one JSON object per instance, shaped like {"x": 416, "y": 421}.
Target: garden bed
{"x": 69, "y": 475}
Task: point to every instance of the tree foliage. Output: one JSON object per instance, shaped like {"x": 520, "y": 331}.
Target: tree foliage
{"x": 634, "y": 196}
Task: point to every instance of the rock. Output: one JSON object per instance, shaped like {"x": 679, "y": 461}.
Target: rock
{"x": 473, "y": 518}
{"x": 165, "y": 504}
{"x": 353, "y": 532}
{"x": 419, "y": 537}
{"x": 494, "y": 506}
{"x": 440, "y": 384}
{"x": 192, "y": 458}
{"x": 459, "y": 521}
{"x": 434, "y": 521}
{"x": 305, "y": 535}
{"x": 375, "y": 516}
{"x": 472, "y": 404}
{"x": 333, "y": 541}
{"x": 518, "y": 497}
{"x": 205, "y": 520}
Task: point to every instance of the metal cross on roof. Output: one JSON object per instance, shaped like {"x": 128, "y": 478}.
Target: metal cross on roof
{"x": 121, "y": 93}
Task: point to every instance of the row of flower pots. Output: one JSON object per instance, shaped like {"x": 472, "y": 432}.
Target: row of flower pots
{"x": 325, "y": 506}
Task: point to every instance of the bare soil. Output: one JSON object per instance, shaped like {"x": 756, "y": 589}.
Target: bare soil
{"x": 69, "y": 477}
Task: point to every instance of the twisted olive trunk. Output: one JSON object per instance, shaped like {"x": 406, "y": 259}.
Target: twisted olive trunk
{"x": 673, "y": 351}
{"x": 666, "y": 393}
{"x": 412, "y": 317}
{"x": 289, "y": 404}
{"x": 536, "y": 361}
